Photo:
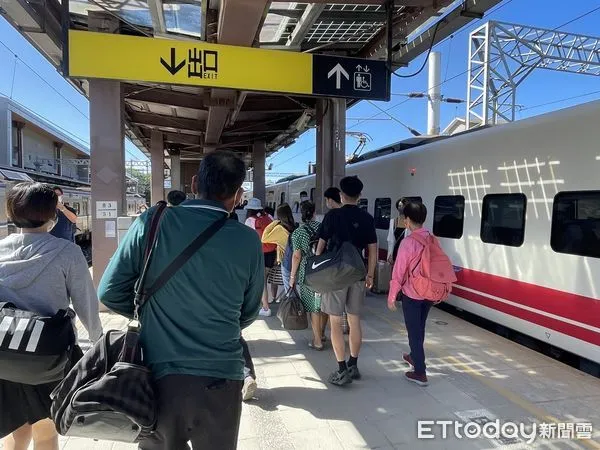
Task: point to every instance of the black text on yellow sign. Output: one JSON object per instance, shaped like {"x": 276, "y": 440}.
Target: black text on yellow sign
{"x": 132, "y": 58}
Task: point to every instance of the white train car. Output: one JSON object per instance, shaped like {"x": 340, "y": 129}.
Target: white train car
{"x": 517, "y": 208}
{"x": 78, "y": 198}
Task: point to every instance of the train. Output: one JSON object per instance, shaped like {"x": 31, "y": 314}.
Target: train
{"x": 516, "y": 207}
{"x": 76, "y": 195}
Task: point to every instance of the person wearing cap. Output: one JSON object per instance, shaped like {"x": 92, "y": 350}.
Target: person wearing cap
{"x": 258, "y": 220}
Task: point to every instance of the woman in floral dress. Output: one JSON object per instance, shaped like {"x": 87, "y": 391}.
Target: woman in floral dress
{"x": 303, "y": 240}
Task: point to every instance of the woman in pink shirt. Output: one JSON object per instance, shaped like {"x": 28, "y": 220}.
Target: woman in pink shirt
{"x": 415, "y": 308}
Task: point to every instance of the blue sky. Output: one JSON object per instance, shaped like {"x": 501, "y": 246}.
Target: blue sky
{"x": 37, "y": 85}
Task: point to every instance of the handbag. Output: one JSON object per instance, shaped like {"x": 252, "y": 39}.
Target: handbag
{"x": 109, "y": 393}
{"x": 34, "y": 348}
{"x": 336, "y": 269}
{"x": 291, "y": 312}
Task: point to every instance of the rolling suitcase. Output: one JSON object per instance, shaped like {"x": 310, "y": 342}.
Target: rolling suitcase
{"x": 383, "y": 274}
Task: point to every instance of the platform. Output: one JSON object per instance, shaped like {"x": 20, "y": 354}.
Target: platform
{"x": 474, "y": 376}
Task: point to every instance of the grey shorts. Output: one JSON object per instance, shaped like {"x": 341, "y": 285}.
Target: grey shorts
{"x": 349, "y": 300}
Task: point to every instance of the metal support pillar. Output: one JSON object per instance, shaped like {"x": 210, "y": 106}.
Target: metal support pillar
{"x": 175, "y": 171}
{"x": 259, "y": 151}
{"x": 433, "y": 94}
{"x": 331, "y": 147}
{"x": 157, "y": 161}
{"x": 501, "y": 57}
{"x": 107, "y": 145}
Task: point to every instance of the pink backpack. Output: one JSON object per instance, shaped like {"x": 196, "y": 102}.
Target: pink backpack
{"x": 433, "y": 275}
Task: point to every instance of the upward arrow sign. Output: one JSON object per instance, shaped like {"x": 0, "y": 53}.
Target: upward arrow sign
{"x": 338, "y": 71}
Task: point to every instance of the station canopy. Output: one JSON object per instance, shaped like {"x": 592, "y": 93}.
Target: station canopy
{"x": 193, "y": 118}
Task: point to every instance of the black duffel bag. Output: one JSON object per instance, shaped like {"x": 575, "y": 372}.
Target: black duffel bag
{"x": 34, "y": 348}
{"x": 108, "y": 394}
{"x": 291, "y": 312}
{"x": 335, "y": 270}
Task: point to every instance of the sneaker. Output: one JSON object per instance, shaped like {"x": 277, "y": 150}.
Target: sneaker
{"x": 354, "y": 372}
{"x": 264, "y": 312}
{"x": 249, "y": 389}
{"x": 421, "y": 380}
{"x": 407, "y": 358}
{"x": 340, "y": 378}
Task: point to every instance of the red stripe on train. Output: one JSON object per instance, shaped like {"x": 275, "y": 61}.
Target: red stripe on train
{"x": 538, "y": 319}
{"x": 571, "y": 306}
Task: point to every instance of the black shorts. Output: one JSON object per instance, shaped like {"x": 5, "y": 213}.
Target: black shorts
{"x": 22, "y": 404}
{"x": 270, "y": 259}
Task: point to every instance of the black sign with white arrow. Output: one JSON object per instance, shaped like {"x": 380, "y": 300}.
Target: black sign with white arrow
{"x": 350, "y": 78}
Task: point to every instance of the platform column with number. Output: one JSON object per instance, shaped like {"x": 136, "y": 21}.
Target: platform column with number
{"x": 107, "y": 154}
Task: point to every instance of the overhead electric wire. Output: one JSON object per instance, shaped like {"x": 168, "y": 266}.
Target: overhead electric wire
{"x": 410, "y": 129}
{"x": 435, "y": 30}
{"x": 449, "y": 56}
{"x": 446, "y": 80}
{"x": 559, "y": 101}
{"x": 17, "y": 59}
{"x": 577, "y": 18}
{"x": 12, "y": 84}
{"x": 44, "y": 80}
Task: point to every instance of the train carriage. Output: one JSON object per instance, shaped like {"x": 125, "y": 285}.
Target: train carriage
{"x": 77, "y": 197}
{"x": 517, "y": 208}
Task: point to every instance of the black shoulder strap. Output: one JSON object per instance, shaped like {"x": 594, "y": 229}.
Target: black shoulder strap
{"x": 150, "y": 244}
{"x": 143, "y": 294}
{"x": 154, "y": 222}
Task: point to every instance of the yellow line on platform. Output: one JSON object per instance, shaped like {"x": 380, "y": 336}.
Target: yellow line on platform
{"x": 506, "y": 393}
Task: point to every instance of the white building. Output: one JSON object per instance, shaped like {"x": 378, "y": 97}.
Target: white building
{"x": 28, "y": 142}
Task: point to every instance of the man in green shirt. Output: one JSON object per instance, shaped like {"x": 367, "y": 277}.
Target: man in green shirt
{"x": 191, "y": 328}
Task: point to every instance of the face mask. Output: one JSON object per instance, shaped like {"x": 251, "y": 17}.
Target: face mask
{"x": 60, "y": 198}
{"x": 237, "y": 200}
{"x": 51, "y": 224}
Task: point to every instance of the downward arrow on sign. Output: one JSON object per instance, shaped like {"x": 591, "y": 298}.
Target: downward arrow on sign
{"x": 338, "y": 71}
{"x": 173, "y": 68}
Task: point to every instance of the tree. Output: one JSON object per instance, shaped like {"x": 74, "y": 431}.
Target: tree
{"x": 144, "y": 183}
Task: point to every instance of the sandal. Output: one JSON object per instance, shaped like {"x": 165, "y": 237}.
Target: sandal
{"x": 312, "y": 345}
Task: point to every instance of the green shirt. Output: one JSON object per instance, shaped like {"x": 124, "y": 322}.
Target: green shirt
{"x": 193, "y": 324}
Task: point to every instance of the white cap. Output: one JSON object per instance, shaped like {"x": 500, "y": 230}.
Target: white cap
{"x": 254, "y": 204}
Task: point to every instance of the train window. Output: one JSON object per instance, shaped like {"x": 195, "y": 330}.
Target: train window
{"x": 383, "y": 213}
{"x": 576, "y": 223}
{"x": 414, "y": 199}
{"x": 503, "y": 219}
{"x": 449, "y": 216}
{"x": 312, "y": 194}
{"x": 282, "y": 198}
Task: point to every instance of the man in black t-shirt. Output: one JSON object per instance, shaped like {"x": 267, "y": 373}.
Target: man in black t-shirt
{"x": 348, "y": 224}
